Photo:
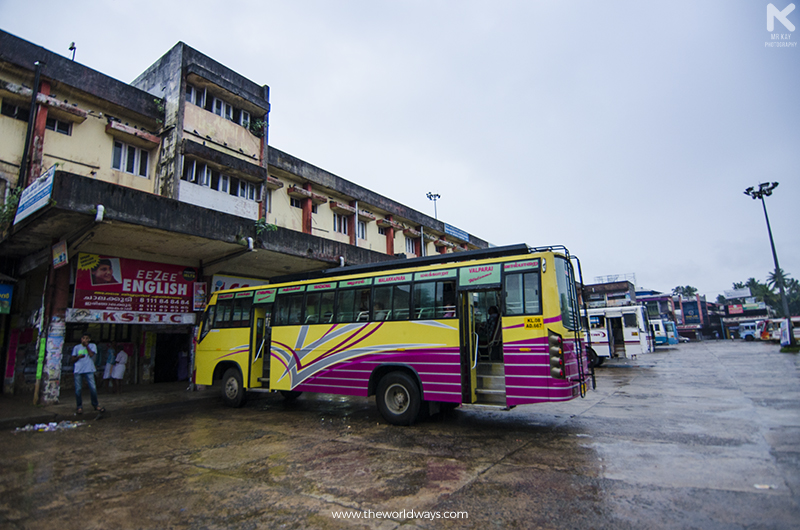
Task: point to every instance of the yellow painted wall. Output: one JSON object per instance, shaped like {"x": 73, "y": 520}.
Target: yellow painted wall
{"x": 221, "y": 131}
{"x": 87, "y": 151}
{"x": 283, "y": 214}
{"x": 12, "y": 133}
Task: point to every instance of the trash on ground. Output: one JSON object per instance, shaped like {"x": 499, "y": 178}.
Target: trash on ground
{"x": 50, "y": 427}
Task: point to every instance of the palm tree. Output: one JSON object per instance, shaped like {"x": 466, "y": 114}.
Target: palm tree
{"x": 776, "y": 278}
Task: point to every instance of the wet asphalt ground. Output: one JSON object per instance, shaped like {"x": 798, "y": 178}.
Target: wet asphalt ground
{"x": 703, "y": 435}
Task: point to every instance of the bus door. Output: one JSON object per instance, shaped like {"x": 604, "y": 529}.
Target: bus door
{"x": 259, "y": 348}
{"x": 469, "y": 347}
{"x": 616, "y": 335}
{"x": 485, "y": 355}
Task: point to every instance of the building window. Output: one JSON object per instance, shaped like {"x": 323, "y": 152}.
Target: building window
{"x": 197, "y": 173}
{"x": 201, "y": 174}
{"x": 223, "y": 108}
{"x": 361, "y": 229}
{"x": 298, "y": 203}
{"x": 381, "y": 231}
{"x": 340, "y": 223}
{"x": 130, "y": 159}
{"x": 268, "y": 200}
{"x": 64, "y": 127}
{"x": 15, "y": 111}
{"x": 244, "y": 189}
{"x": 244, "y": 119}
{"x": 410, "y": 246}
{"x": 196, "y": 96}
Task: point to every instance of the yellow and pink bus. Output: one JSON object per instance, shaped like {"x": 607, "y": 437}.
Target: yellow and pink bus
{"x": 497, "y": 326}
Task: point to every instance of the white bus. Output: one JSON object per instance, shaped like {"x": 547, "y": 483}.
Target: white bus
{"x": 621, "y": 331}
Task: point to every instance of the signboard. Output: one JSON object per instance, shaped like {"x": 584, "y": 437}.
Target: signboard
{"x": 479, "y": 275}
{"x": 456, "y": 232}
{"x": 60, "y": 257}
{"x": 6, "y": 290}
{"x": 36, "y": 196}
{"x": 199, "y": 296}
{"x": 220, "y": 282}
{"x": 435, "y": 275}
{"x": 131, "y": 287}
{"x": 101, "y": 316}
{"x": 737, "y": 293}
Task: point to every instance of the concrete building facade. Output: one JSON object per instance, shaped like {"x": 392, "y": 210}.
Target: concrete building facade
{"x": 171, "y": 182}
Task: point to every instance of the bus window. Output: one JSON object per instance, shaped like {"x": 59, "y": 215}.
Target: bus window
{"x": 522, "y": 294}
{"x": 629, "y": 320}
{"x": 446, "y": 294}
{"x": 597, "y": 322}
{"x": 567, "y": 297}
{"x": 207, "y": 322}
{"x": 353, "y": 305}
{"x": 247, "y": 303}
{"x": 434, "y": 300}
{"x": 391, "y": 302}
{"x": 224, "y": 310}
{"x": 289, "y": 309}
{"x": 319, "y": 307}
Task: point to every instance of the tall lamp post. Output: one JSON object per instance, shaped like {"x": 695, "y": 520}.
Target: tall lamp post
{"x": 434, "y": 197}
{"x": 765, "y": 189}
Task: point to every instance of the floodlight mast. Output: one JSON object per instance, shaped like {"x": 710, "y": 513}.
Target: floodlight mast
{"x": 765, "y": 189}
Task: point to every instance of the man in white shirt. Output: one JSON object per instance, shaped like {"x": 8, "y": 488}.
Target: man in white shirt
{"x": 83, "y": 357}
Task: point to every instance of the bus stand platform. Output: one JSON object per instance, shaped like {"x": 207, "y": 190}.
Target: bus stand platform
{"x": 18, "y": 411}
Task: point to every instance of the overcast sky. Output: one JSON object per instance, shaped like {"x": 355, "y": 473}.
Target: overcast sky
{"x": 625, "y": 130}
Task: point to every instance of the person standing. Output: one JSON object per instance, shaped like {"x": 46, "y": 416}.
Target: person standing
{"x": 83, "y": 356}
{"x": 111, "y": 356}
{"x": 118, "y": 372}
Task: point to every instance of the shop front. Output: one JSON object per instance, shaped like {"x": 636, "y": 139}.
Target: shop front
{"x": 144, "y": 308}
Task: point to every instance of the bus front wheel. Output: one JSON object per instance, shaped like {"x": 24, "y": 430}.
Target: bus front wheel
{"x": 232, "y": 388}
{"x": 398, "y": 398}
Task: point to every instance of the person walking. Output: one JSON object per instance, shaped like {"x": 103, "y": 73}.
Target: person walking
{"x": 84, "y": 369}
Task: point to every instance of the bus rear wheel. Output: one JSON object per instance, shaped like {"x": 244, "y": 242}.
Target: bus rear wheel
{"x": 398, "y": 398}
{"x": 594, "y": 359}
{"x": 232, "y": 388}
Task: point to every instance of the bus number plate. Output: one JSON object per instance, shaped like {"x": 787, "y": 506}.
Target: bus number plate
{"x": 534, "y": 323}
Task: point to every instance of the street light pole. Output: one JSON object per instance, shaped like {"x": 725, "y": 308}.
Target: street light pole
{"x": 434, "y": 197}
{"x": 765, "y": 189}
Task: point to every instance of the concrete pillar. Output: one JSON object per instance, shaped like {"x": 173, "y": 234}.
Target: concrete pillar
{"x": 39, "y": 127}
{"x": 307, "y": 213}
{"x": 58, "y": 294}
{"x": 390, "y": 238}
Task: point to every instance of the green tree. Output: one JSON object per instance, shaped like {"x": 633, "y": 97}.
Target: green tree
{"x": 686, "y": 291}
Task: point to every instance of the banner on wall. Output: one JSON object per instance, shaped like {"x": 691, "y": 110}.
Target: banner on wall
{"x": 221, "y": 281}
{"x": 127, "y": 291}
{"x": 6, "y": 290}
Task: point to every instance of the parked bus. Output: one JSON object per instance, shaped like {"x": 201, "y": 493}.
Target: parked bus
{"x": 663, "y": 332}
{"x": 770, "y": 329}
{"x": 498, "y": 326}
{"x": 619, "y": 331}
{"x": 748, "y": 331}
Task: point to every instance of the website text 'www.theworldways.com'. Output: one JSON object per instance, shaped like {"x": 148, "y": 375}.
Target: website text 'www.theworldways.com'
{"x": 400, "y": 514}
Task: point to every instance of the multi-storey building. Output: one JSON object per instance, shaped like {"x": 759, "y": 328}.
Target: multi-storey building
{"x": 170, "y": 184}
